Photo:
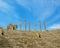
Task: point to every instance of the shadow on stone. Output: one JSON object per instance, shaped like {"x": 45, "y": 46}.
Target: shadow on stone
{"x": 4, "y": 43}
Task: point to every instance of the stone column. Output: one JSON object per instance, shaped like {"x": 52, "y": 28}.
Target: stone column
{"x": 15, "y": 27}
{"x": 25, "y": 25}
{"x": 9, "y": 27}
{"x": 29, "y": 25}
{"x": 40, "y": 26}
{"x": 20, "y": 24}
{"x": 1, "y": 31}
{"x": 34, "y": 27}
{"x": 45, "y": 25}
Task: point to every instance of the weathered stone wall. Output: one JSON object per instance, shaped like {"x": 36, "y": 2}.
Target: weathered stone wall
{"x": 12, "y": 27}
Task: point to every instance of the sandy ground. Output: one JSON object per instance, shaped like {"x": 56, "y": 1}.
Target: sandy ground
{"x": 19, "y": 39}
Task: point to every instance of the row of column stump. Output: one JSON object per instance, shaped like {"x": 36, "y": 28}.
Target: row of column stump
{"x": 14, "y": 27}
{"x": 34, "y": 26}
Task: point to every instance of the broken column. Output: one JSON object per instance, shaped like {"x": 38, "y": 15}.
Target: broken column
{"x": 34, "y": 27}
{"x": 9, "y": 27}
{"x": 40, "y": 26}
{"x": 0, "y": 30}
{"x": 25, "y": 25}
{"x": 21, "y": 25}
{"x": 29, "y": 26}
{"x": 45, "y": 25}
{"x": 14, "y": 27}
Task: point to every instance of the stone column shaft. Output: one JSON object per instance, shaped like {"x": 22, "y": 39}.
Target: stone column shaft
{"x": 20, "y": 24}
{"x": 45, "y": 25}
{"x": 25, "y": 25}
{"x": 40, "y": 26}
{"x": 34, "y": 27}
{"x": 29, "y": 26}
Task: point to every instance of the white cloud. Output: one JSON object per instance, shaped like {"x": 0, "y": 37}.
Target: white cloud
{"x": 4, "y": 5}
{"x": 8, "y": 9}
{"x": 7, "y": 13}
{"x": 25, "y": 3}
{"x": 54, "y": 26}
{"x": 44, "y": 8}
{"x": 54, "y": 19}
{"x": 40, "y": 8}
{"x": 57, "y": 2}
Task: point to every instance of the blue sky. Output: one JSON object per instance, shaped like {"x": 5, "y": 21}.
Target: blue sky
{"x": 11, "y": 11}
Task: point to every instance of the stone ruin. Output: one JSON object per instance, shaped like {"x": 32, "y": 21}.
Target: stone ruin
{"x": 45, "y": 25}
{"x": 29, "y": 26}
{"x": 1, "y": 31}
{"x": 20, "y": 24}
{"x": 35, "y": 29}
{"x": 23, "y": 38}
{"x": 12, "y": 27}
{"x": 40, "y": 26}
{"x": 25, "y": 25}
